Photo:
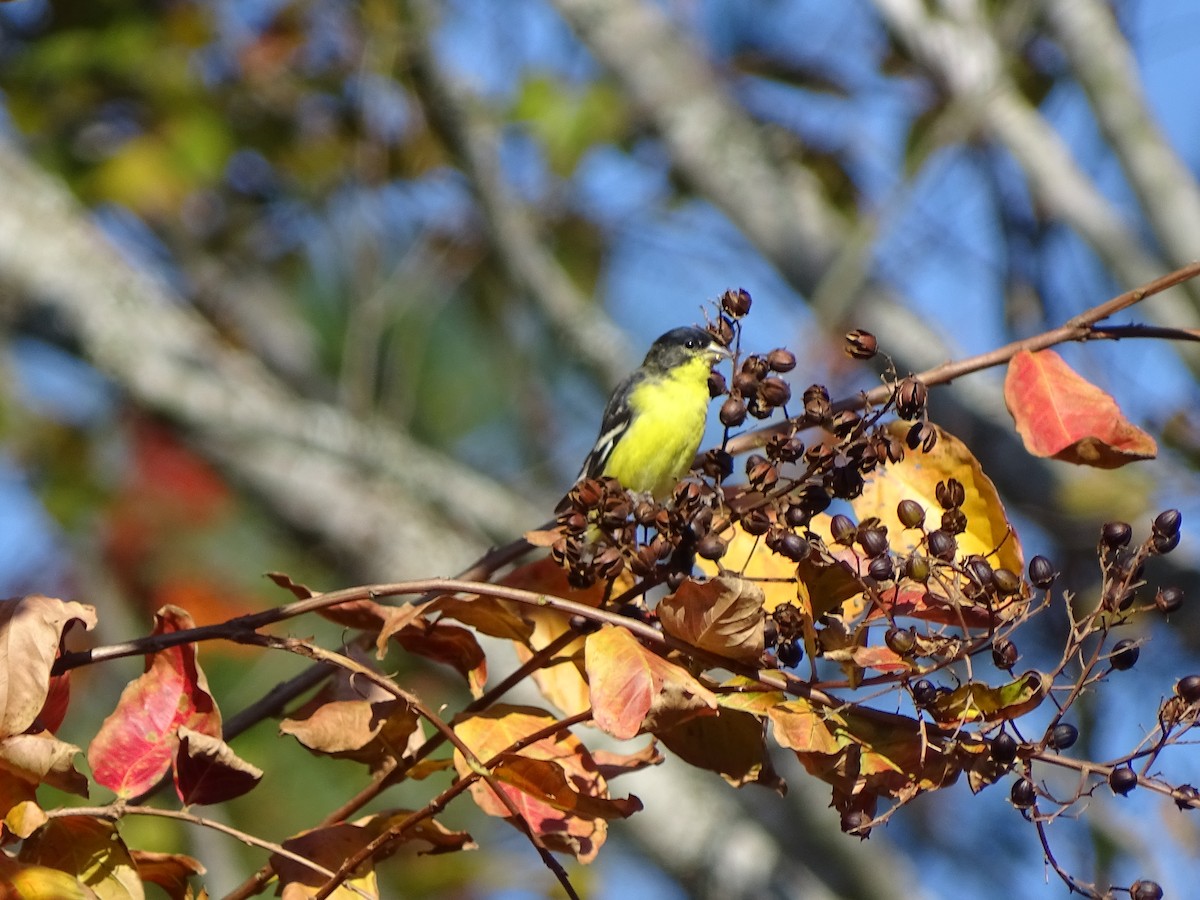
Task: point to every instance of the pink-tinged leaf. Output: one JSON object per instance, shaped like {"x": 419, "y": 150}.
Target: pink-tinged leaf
{"x": 1062, "y": 415}
{"x": 208, "y": 771}
{"x": 447, "y": 644}
{"x": 632, "y": 688}
{"x": 42, "y": 759}
{"x": 136, "y": 743}
{"x": 31, "y": 631}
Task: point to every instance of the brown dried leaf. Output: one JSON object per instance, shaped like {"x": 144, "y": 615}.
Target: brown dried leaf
{"x": 297, "y": 590}
{"x": 448, "y": 644}
{"x": 31, "y": 632}
{"x": 610, "y": 764}
{"x": 43, "y": 759}
{"x": 723, "y": 616}
{"x": 368, "y": 732}
{"x": 730, "y": 744}
{"x": 632, "y": 688}
{"x": 88, "y": 848}
{"x": 208, "y": 771}
{"x": 170, "y": 871}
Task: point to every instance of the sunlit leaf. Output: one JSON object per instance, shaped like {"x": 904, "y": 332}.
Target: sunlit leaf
{"x": 91, "y": 849}
{"x": 976, "y": 702}
{"x": 723, "y": 615}
{"x": 362, "y": 730}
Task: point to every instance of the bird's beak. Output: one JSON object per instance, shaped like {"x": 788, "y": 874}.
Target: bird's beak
{"x": 719, "y": 352}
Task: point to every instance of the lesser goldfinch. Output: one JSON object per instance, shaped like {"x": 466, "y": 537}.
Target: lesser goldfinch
{"x": 654, "y": 421}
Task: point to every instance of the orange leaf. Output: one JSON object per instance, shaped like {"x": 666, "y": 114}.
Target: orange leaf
{"x": 448, "y": 644}
{"x": 31, "y": 631}
{"x": 632, "y": 688}
{"x": 724, "y": 616}
{"x": 802, "y": 727}
{"x": 136, "y": 743}
{"x": 1062, "y": 415}
{"x": 170, "y": 871}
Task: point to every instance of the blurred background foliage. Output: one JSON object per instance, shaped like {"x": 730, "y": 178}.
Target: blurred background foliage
{"x": 460, "y": 222}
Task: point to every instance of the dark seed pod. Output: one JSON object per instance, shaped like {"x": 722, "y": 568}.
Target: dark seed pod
{"x": 736, "y": 303}
{"x": 816, "y": 403}
{"x": 718, "y": 464}
{"x": 950, "y": 493}
{"x": 873, "y": 541}
{"x": 756, "y": 522}
{"x": 861, "y": 344}
{"x": 1168, "y": 599}
{"x": 1023, "y": 794}
{"x": 781, "y": 360}
{"x": 814, "y": 498}
{"x": 1007, "y": 582}
{"x": 796, "y": 516}
{"x": 791, "y": 546}
{"x": 1004, "y": 748}
{"x": 756, "y": 365}
{"x": 716, "y": 384}
{"x": 775, "y": 392}
{"x": 608, "y": 564}
{"x": 1122, "y": 780}
{"x": 1115, "y": 534}
{"x": 724, "y": 331}
{"x": 770, "y": 633}
{"x": 923, "y": 692}
{"x": 676, "y": 579}
{"x": 761, "y": 473}
{"x": 845, "y": 482}
{"x": 917, "y": 568}
{"x": 911, "y": 396}
{"x": 1186, "y": 796}
{"x": 941, "y": 545}
{"x": 842, "y": 529}
{"x": 711, "y": 546}
{"x": 1063, "y": 736}
{"x": 789, "y": 654}
{"x": 1041, "y": 572}
{"x": 733, "y": 412}
{"x": 881, "y": 569}
{"x": 1004, "y": 654}
{"x": 954, "y": 521}
{"x": 844, "y": 423}
{"x": 922, "y": 436}
{"x": 1188, "y": 688}
{"x": 745, "y": 384}
{"x": 855, "y": 821}
{"x": 1164, "y": 543}
{"x": 900, "y": 641}
{"x": 980, "y": 572}
{"x": 1145, "y": 890}
{"x": 1167, "y": 523}
{"x": 1124, "y": 655}
{"x": 910, "y": 513}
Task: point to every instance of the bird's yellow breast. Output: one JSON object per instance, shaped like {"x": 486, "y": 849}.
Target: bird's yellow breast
{"x": 665, "y": 430}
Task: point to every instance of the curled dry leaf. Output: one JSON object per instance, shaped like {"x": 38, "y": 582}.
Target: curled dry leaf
{"x": 208, "y": 771}
{"x": 368, "y": 732}
{"x": 632, "y": 688}
{"x": 41, "y": 759}
{"x": 976, "y": 702}
{"x": 136, "y": 743}
{"x": 1060, "y": 414}
{"x": 31, "y": 632}
{"x": 723, "y": 616}
{"x": 170, "y": 871}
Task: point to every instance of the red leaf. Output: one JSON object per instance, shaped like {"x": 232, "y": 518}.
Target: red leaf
{"x": 136, "y": 744}
{"x": 31, "y": 631}
{"x": 208, "y": 771}
{"x": 1062, "y": 415}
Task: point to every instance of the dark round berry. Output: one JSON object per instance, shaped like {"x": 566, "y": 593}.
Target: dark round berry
{"x": 924, "y": 692}
{"x": 711, "y": 546}
{"x": 1124, "y": 655}
{"x": 1188, "y": 688}
{"x": 1168, "y": 599}
{"x": 736, "y": 303}
{"x": 733, "y": 412}
{"x": 1167, "y": 523}
{"x": 881, "y": 568}
{"x": 855, "y": 821}
{"x": 781, "y": 360}
{"x": 942, "y": 545}
{"x": 1164, "y": 543}
{"x": 1186, "y": 796}
{"x": 791, "y": 546}
{"x": 770, "y": 633}
{"x": 911, "y": 396}
{"x": 1024, "y": 794}
{"x": 981, "y": 573}
{"x": 1007, "y": 582}
{"x": 756, "y": 522}
{"x": 910, "y": 513}
{"x": 1063, "y": 736}
{"x": 1041, "y": 572}
{"x": 900, "y": 641}
{"x": 1004, "y": 654}
{"x": 789, "y": 654}
{"x": 1145, "y": 890}
{"x": 917, "y": 568}
{"x": 774, "y": 392}
{"x": 1122, "y": 780}
{"x": 873, "y": 541}
{"x": 842, "y": 529}
{"x": 1115, "y": 534}
{"x": 1004, "y": 748}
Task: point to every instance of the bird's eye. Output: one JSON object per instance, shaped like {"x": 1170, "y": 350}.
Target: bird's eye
{"x": 691, "y": 343}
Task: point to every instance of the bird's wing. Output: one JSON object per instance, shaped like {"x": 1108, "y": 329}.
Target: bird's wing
{"x": 617, "y": 416}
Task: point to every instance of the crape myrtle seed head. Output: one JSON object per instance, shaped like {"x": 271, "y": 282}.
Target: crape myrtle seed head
{"x": 1168, "y": 599}
{"x": 1023, "y": 794}
{"x": 1185, "y": 795}
{"x": 842, "y": 529}
{"x": 724, "y": 331}
{"x": 608, "y": 564}
{"x": 1164, "y": 543}
{"x": 781, "y": 360}
{"x": 770, "y": 633}
{"x": 941, "y": 545}
{"x": 675, "y": 580}
{"x": 816, "y": 403}
{"x": 763, "y": 474}
{"x": 757, "y": 408}
{"x": 784, "y": 448}
{"x": 861, "y": 344}
{"x": 756, "y": 522}
{"x": 1041, "y": 572}
{"x": 718, "y": 464}
{"x": 1144, "y": 889}
{"x": 1115, "y": 534}
{"x": 954, "y": 521}
{"x": 980, "y": 572}
{"x": 911, "y": 396}
{"x": 1167, "y": 523}
{"x": 1188, "y": 688}
{"x": 756, "y": 365}
{"x": 1124, "y": 655}
{"x": 900, "y": 641}
{"x": 950, "y": 493}
{"x": 894, "y": 449}
{"x": 1004, "y": 748}
{"x": 745, "y": 384}
{"x": 789, "y": 654}
{"x": 917, "y": 568}
{"x": 910, "y": 513}
{"x": 733, "y": 412}
{"x": 1064, "y": 736}
{"x": 846, "y": 482}
{"x": 921, "y": 436}
{"x": 881, "y": 569}
{"x": 855, "y": 821}
{"x": 1004, "y": 654}
{"x": 844, "y": 423}
{"x": 774, "y": 391}
{"x": 645, "y": 513}
{"x": 736, "y": 303}
{"x": 923, "y": 692}
{"x": 791, "y": 546}
{"x": 873, "y": 541}
{"x": 1008, "y": 582}
{"x": 712, "y": 546}
{"x": 1122, "y": 780}
{"x": 716, "y": 384}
